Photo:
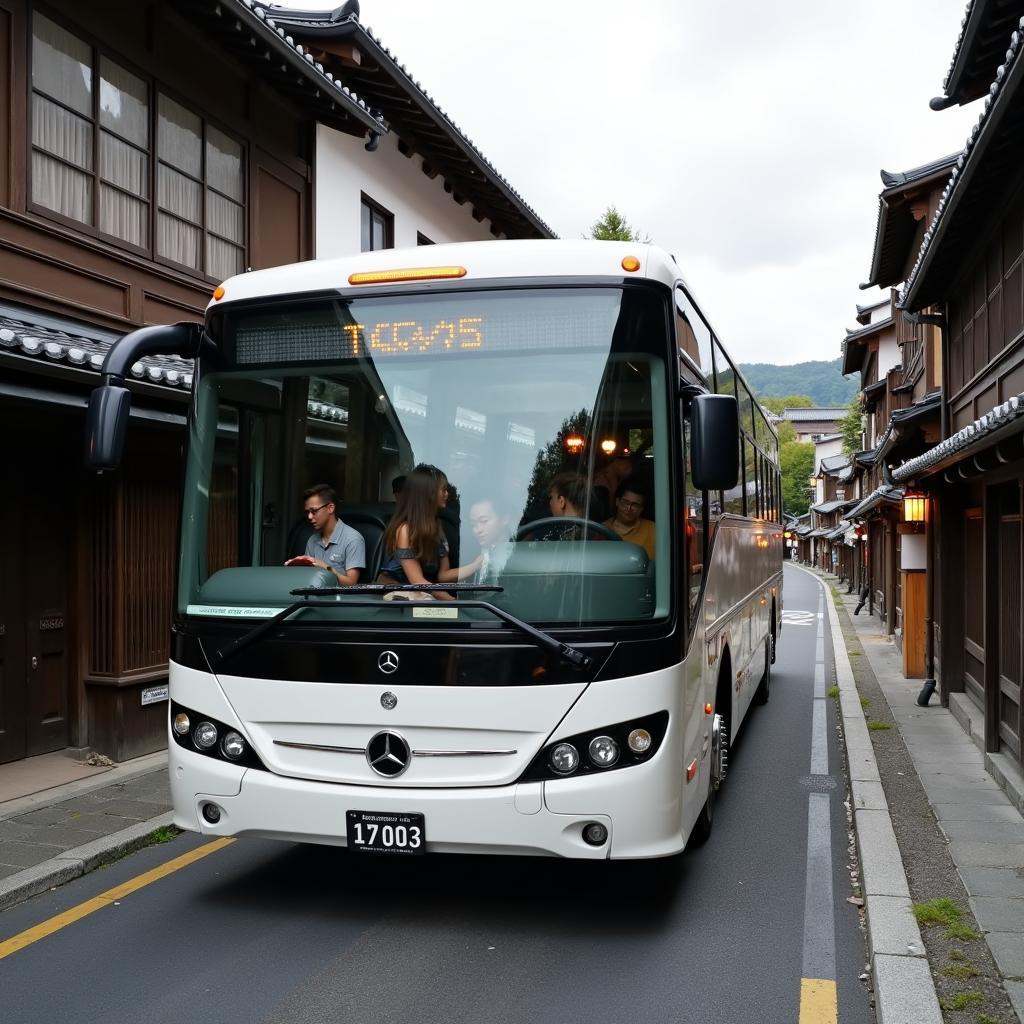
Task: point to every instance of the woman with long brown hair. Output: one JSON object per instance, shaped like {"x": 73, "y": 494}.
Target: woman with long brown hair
{"x": 415, "y": 548}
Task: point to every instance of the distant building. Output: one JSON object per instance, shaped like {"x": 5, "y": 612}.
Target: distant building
{"x": 811, "y": 425}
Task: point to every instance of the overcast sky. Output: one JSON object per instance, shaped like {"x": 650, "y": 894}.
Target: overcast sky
{"x": 744, "y": 137}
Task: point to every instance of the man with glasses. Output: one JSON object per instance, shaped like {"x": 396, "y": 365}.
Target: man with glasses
{"x": 627, "y": 520}
{"x": 333, "y": 546}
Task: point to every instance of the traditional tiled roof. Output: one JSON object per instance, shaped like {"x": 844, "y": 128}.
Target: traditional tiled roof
{"x": 87, "y": 351}
{"x": 983, "y": 32}
{"x": 975, "y": 435}
{"x": 896, "y": 228}
{"x": 992, "y": 151}
{"x": 828, "y": 507}
{"x": 859, "y": 333}
{"x": 879, "y": 496}
{"x": 840, "y": 531}
{"x": 854, "y": 344}
{"x": 812, "y": 415}
{"x": 832, "y": 464}
{"x": 412, "y": 112}
{"x": 251, "y": 33}
{"x": 864, "y": 312}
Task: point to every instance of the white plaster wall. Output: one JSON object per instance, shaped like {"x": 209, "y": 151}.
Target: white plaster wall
{"x": 888, "y": 352}
{"x": 825, "y": 450}
{"x": 344, "y": 170}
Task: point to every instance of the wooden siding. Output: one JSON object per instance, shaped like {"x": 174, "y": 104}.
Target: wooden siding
{"x": 985, "y": 354}
{"x": 56, "y": 265}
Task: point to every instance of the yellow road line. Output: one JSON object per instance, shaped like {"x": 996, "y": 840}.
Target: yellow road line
{"x": 818, "y": 1001}
{"x": 105, "y": 899}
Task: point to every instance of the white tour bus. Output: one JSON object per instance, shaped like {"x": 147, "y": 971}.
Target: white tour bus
{"x": 614, "y": 503}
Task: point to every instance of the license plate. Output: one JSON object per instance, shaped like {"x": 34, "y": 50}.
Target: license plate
{"x": 382, "y": 832}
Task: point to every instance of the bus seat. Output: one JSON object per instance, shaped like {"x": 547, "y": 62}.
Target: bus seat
{"x": 371, "y": 528}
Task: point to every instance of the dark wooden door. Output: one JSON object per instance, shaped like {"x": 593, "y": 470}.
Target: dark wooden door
{"x": 37, "y": 527}
{"x": 13, "y": 689}
{"x": 1008, "y": 600}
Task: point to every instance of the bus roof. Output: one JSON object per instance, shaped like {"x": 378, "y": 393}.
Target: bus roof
{"x": 482, "y": 260}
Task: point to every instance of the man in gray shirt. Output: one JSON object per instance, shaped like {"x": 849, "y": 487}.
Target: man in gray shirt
{"x": 334, "y": 546}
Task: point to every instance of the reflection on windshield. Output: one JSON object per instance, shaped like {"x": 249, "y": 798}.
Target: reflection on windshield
{"x": 511, "y": 438}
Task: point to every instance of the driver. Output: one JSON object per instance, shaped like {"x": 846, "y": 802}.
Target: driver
{"x": 333, "y": 545}
{"x": 569, "y": 497}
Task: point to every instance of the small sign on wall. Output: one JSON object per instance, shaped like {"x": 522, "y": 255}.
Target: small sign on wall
{"x": 154, "y": 694}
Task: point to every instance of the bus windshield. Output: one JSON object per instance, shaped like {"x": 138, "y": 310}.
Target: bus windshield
{"x": 544, "y": 409}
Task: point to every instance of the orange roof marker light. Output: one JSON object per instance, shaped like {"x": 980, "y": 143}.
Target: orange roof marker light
{"x": 630, "y": 263}
{"x": 406, "y": 274}
{"x": 218, "y": 293}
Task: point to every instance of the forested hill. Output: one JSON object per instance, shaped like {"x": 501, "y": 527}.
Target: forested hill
{"x": 819, "y": 379}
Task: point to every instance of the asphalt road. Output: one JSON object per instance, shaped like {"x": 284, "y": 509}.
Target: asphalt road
{"x": 268, "y": 932}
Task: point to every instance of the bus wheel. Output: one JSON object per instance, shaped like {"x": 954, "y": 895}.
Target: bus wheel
{"x": 719, "y": 767}
{"x": 763, "y": 690}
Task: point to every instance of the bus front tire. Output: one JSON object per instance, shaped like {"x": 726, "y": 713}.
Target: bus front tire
{"x": 718, "y": 766}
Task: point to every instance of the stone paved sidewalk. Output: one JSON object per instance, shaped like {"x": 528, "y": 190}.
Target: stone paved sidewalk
{"x": 54, "y": 841}
{"x": 983, "y": 828}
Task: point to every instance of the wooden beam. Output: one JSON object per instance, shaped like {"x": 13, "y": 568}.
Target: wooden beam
{"x": 347, "y": 53}
{"x": 405, "y": 148}
{"x": 429, "y": 170}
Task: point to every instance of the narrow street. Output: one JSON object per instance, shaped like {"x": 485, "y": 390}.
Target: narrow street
{"x": 261, "y": 931}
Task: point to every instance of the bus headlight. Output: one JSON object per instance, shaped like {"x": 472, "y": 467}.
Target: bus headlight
{"x": 603, "y": 751}
{"x": 212, "y": 738}
{"x": 232, "y": 746}
{"x": 639, "y": 741}
{"x": 564, "y": 758}
{"x": 611, "y": 748}
{"x": 205, "y": 735}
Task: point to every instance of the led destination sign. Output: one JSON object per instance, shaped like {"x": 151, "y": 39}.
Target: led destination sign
{"x": 330, "y": 334}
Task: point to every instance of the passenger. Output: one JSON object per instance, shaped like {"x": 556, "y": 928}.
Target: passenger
{"x": 490, "y": 529}
{"x": 333, "y": 546}
{"x": 415, "y": 548}
{"x": 627, "y": 522}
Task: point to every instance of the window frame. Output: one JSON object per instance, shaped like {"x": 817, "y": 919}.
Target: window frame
{"x": 366, "y": 202}
{"x": 154, "y": 90}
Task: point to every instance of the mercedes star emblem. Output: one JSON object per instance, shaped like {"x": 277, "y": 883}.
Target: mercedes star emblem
{"x": 387, "y": 662}
{"x": 388, "y": 754}
{"x": 388, "y": 701}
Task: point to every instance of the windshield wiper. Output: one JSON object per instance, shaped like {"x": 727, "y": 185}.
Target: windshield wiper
{"x": 575, "y": 657}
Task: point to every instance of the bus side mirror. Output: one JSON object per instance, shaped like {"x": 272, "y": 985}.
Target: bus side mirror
{"x": 714, "y": 442}
{"x": 106, "y": 425}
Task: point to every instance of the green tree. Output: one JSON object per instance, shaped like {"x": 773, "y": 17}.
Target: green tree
{"x": 788, "y": 402}
{"x": 786, "y": 431}
{"x": 851, "y": 426}
{"x": 612, "y": 227}
{"x": 553, "y": 458}
{"x": 796, "y": 464}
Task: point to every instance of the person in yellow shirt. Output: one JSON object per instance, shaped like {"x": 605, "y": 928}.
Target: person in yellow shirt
{"x": 627, "y": 520}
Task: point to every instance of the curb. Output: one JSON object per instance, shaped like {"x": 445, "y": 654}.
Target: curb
{"x": 74, "y": 863}
{"x": 904, "y": 989}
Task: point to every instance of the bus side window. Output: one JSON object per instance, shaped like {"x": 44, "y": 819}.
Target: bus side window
{"x": 695, "y": 541}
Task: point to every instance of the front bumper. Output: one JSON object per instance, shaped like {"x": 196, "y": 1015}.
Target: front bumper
{"x": 536, "y": 818}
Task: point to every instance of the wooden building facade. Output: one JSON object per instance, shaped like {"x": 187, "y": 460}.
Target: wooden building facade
{"x": 969, "y": 278}
{"x": 148, "y": 150}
